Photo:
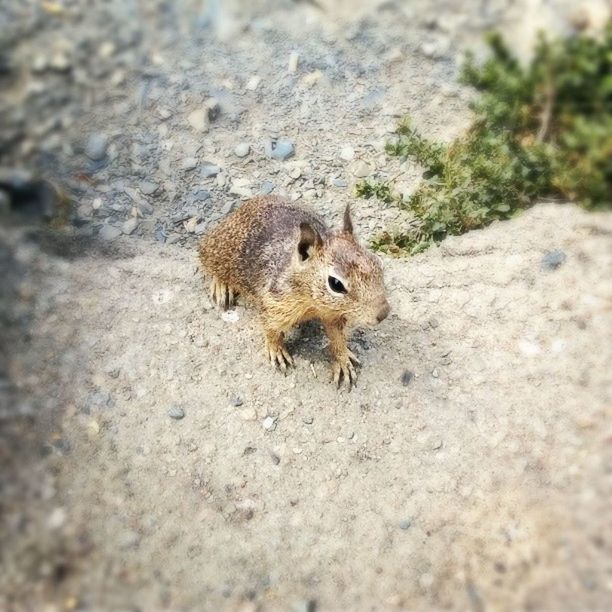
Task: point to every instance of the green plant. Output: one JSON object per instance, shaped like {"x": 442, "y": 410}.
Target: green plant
{"x": 544, "y": 130}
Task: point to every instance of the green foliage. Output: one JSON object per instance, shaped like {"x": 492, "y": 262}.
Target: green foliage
{"x": 367, "y": 189}
{"x": 542, "y": 130}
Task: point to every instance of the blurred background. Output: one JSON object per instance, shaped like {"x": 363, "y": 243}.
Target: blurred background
{"x": 127, "y": 128}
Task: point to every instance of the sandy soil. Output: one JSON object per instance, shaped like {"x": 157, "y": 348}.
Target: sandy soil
{"x": 471, "y": 468}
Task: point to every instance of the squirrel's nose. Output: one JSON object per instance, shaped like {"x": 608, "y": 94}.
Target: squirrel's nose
{"x": 383, "y": 313}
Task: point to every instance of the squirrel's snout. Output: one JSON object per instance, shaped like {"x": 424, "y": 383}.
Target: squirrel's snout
{"x": 384, "y": 311}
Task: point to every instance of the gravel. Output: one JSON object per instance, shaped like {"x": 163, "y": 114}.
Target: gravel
{"x": 269, "y": 423}
{"x": 176, "y": 412}
{"x": 407, "y": 377}
{"x": 405, "y": 524}
{"x": 280, "y": 149}
{"x": 129, "y": 227}
{"x": 209, "y": 170}
{"x": 361, "y": 169}
{"x": 242, "y": 149}
{"x": 552, "y": 260}
{"x": 266, "y": 188}
{"x": 200, "y": 195}
{"x": 347, "y": 153}
{"x": 198, "y": 120}
{"x": 189, "y": 163}
{"x": 95, "y": 147}
{"x": 109, "y": 232}
{"x": 148, "y": 187}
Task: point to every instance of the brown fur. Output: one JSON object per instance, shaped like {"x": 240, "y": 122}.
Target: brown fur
{"x": 279, "y": 256}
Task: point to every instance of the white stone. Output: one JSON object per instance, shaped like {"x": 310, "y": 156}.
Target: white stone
{"x": 294, "y": 58}
{"x": 198, "y": 120}
{"x": 347, "y": 153}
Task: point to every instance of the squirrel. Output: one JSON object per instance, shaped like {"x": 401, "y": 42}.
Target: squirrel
{"x": 292, "y": 268}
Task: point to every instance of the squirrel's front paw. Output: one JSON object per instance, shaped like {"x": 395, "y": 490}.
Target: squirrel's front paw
{"x": 222, "y": 295}
{"x": 343, "y": 369}
{"x": 278, "y": 355}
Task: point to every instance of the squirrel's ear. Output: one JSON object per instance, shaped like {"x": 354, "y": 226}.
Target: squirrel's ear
{"x": 347, "y": 223}
{"x": 309, "y": 239}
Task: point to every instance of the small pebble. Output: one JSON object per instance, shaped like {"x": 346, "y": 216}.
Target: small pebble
{"x": 56, "y": 519}
{"x": 308, "y": 420}
{"x": 96, "y": 145}
{"x": 200, "y": 195}
{"x": 109, "y": 232}
{"x": 60, "y": 63}
{"x": 236, "y": 401}
{"x": 266, "y": 187}
{"x": 347, "y": 153}
{"x": 429, "y": 49}
{"x": 189, "y": 163}
{"x": 213, "y": 108}
{"x": 209, "y": 170}
{"x": 253, "y": 83}
{"x": 435, "y": 373}
{"x": 405, "y": 524}
{"x": 107, "y": 49}
{"x": 191, "y": 224}
{"x": 407, "y": 377}
{"x": 269, "y": 423}
{"x": 275, "y": 458}
{"x": 242, "y": 149}
{"x": 280, "y": 149}
{"x": 360, "y": 169}
{"x": 339, "y": 182}
{"x": 129, "y": 227}
{"x": 294, "y": 58}
{"x": 148, "y": 187}
{"x": 176, "y": 412}
{"x": 553, "y": 260}
{"x": 198, "y": 120}
{"x": 40, "y": 63}
{"x": 240, "y": 187}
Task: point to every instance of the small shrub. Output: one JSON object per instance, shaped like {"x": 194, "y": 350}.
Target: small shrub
{"x": 544, "y": 130}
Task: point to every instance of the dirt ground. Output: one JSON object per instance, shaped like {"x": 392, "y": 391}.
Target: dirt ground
{"x": 470, "y": 469}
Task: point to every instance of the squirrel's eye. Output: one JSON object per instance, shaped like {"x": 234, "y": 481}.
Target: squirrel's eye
{"x": 336, "y": 285}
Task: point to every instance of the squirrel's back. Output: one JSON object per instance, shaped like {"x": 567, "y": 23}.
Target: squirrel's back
{"x": 252, "y": 247}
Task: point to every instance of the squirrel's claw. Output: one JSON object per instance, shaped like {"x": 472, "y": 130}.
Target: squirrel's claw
{"x": 352, "y": 357}
{"x": 222, "y": 295}
{"x": 279, "y": 357}
{"x": 344, "y": 371}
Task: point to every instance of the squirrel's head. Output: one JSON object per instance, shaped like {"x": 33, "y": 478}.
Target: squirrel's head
{"x": 344, "y": 278}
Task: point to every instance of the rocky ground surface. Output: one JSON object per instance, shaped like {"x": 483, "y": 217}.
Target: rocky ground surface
{"x": 152, "y": 460}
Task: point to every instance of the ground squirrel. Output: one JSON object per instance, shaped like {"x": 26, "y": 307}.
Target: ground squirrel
{"x": 285, "y": 261}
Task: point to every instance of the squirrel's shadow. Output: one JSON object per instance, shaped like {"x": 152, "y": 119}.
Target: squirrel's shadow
{"x": 309, "y": 341}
